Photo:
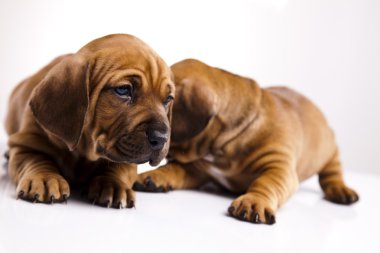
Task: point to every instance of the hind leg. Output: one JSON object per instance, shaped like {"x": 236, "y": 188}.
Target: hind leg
{"x": 331, "y": 181}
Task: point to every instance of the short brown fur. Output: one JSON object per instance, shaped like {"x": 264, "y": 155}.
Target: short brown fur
{"x": 256, "y": 142}
{"x": 68, "y": 125}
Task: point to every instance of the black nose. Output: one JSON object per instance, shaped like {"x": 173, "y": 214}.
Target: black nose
{"x": 157, "y": 139}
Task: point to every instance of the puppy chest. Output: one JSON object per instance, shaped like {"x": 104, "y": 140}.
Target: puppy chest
{"x": 219, "y": 176}
{"x": 222, "y": 172}
{"x": 76, "y": 170}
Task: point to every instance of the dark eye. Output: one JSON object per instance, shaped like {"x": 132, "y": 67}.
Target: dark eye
{"x": 168, "y": 100}
{"x": 124, "y": 91}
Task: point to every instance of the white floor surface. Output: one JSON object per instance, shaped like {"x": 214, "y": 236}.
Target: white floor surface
{"x": 192, "y": 221}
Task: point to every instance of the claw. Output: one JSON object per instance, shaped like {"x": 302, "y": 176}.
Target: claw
{"x": 52, "y": 199}
{"x": 231, "y": 210}
{"x": 35, "y": 199}
{"x": 256, "y": 220}
{"x": 64, "y": 198}
{"x": 131, "y": 204}
{"x": 272, "y": 220}
{"x": 108, "y": 204}
{"x": 243, "y": 215}
{"x": 120, "y": 205}
{"x": 6, "y": 154}
{"x": 353, "y": 199}
{"x": 20, "y": 195}
{"x": 93, "y": 202}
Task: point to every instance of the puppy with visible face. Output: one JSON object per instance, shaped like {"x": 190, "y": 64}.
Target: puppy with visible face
{"x": 258, "y": 143}
{"x": 87, "y": 119}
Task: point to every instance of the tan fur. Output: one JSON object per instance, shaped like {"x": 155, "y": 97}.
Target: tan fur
{"x": 256, "y": 142}
{"x": 67, "y": 124}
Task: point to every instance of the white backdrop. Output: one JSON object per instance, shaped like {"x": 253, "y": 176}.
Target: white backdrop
{"x": 327, "y": 49}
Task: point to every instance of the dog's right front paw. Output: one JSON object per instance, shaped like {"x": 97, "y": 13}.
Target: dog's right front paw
{"x": 251, "y": 208}
{"x": 43, "y": 188}
{"x": 152, "y": 182}
{"x": 110, "y": 192}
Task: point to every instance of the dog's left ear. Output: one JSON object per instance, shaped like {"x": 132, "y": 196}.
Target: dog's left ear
{"x": 194, "y": 106}
{"x": 60, "y": 101}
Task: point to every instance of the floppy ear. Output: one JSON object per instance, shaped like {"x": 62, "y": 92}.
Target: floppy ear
{"x": 60, "y": 101}
{"x": 193, "y": 108}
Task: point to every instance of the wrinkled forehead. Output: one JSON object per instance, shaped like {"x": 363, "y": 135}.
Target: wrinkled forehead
{"x": 120, "y": 53}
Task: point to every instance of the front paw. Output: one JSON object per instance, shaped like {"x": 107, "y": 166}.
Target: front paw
{"x": 152, "y": 181}
{"x": 109, "y": 192}
{"x": 251, "y": 208}
{"x": 43, "y": 188}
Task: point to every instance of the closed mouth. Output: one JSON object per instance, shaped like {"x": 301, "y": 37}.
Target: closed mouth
{"x": 130, "y": 154}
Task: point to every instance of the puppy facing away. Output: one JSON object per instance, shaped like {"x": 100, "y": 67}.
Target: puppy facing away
{"x": 87, "y": 119}
{"x": 256, "y": 142}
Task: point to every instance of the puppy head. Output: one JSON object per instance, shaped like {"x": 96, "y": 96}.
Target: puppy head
{"x": 112, "y": 100}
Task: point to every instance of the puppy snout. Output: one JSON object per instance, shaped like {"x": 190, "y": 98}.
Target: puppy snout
{"x": 157, "y": 139}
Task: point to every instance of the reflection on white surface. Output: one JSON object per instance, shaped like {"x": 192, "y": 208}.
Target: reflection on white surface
{"x": 191, "y": 221}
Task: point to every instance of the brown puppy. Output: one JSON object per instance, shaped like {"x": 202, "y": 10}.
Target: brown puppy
{"x": 89, "y": 118}
{"x": 256, "y": 142}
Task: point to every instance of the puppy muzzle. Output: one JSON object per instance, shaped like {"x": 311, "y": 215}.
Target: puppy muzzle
{"x": 151, "y": 146}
